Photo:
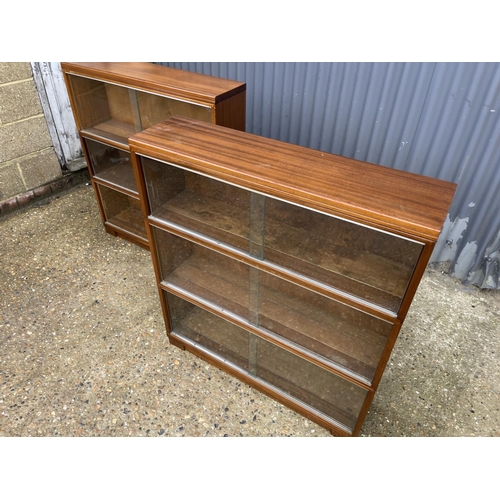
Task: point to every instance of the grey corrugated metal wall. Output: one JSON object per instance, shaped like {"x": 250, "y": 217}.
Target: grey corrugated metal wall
{"x": 436, "y": 119}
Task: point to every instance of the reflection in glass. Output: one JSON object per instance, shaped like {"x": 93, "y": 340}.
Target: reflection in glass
{"x": 209, "y": 331}
{"x": 122, "y": 211}
{"x": 199, "y": 204}
{"x": 115, "y": 112}
{"x": 112, "y": 165}
{"x": 328, "y": 393}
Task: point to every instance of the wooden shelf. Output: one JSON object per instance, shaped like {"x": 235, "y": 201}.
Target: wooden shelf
{"x": 122, "y": 211}
{"x": 119, "y": 176}
{"x": 112, "y": 130}
{"x": 218, "y": 336}
{"x": 129, "y": 220}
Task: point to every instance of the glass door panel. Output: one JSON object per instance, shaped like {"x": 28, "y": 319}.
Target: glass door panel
{"x": 199, "y": 204}
{"x": 224, "y": 339}
{"x": 122, "y": 211}
{"x": 323, "y": 391}
{"x": 320, "y": 389}
{"x": 104, "y": 109}
{"x": 369, "y": 264}
{"x": 154, "y": 109}
{"x": 112, "y": 165}
{"x": 212, "y": 277}
{"x": 347, "y": 337}
{"x": 115, "y": 113}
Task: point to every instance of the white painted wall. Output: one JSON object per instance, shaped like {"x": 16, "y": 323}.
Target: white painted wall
{"x": 57, "y": 109}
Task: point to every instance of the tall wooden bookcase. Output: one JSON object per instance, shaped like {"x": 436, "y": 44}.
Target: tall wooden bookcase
{"x": 290, "y": 268}
{"x": 112, "y": 101}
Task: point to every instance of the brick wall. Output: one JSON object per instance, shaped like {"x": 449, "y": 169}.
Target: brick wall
{"x": 27, "y": 157}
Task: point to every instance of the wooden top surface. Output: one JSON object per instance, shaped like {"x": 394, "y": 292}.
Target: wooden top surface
{"x": 389, "y": 199}
{"x": 160, "y": 79}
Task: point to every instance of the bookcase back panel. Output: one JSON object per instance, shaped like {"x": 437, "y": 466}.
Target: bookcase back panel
{"x": 91, "y": 104}
{"x": 154, "y": 109}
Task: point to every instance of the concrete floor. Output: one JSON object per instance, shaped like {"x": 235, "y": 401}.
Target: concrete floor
{"x": 83, "y": 349}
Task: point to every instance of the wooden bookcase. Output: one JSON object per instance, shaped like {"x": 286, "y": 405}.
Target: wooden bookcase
{"x": 290, "y": 268}
{"x": 112, "y": 101}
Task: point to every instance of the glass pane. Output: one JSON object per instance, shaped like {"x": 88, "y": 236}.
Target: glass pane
{"x": 214, "y": 278}
{"x": 369, "y": 264}
{"x": 328, "y": 393}
{"x": 202, "y": 205}
{"x": 339, "y": 333}
{"x": 115, "y": 112}
{"x": 122, "y": 211}
{"x": 112, "y": 165}
{"x": 104, "y": 109}
{"x": 321, "y": 390}
{"x": 154, "y": 109}
{"x": 347, "y": 337}
{"x": 213, "y": 333}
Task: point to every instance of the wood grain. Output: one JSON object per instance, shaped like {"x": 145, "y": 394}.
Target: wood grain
{"x": 388, "y": 199}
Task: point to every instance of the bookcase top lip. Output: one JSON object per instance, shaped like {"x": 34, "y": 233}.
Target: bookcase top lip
{"x": 401, "y": 202}
{"x": 159, "y": 79}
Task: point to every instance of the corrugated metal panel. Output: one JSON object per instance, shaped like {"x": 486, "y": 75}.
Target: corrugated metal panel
{"x": 436, "y": 119}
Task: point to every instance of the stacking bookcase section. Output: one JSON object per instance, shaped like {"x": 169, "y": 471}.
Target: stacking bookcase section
{"x": 112, "y": 101}
{"x": 289, "y": 268}
{"x": 329, "y": 330}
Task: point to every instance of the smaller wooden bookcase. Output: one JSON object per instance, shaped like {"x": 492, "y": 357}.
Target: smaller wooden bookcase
{"x": 290, "y": 268}
{"x": 112, "y": 101}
